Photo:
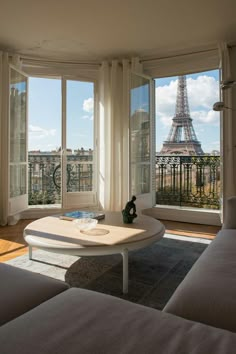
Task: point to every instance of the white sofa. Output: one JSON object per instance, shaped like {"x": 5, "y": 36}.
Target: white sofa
{"x": 41, "y": 315}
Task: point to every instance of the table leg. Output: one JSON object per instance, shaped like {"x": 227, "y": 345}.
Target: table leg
{"x": 125, "y": 271}
{"x": 30, "y": 252}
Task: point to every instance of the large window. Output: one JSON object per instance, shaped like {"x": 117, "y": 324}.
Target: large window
{"x": 188, "y": 141}
{"x": 61, "y": 141}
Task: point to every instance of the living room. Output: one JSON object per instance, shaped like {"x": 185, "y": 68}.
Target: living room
{"x": 102, "y": 43}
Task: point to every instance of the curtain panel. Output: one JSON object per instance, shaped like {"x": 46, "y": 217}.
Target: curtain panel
{"x": 228, "y": 126}
{"x": 114, "y": 132}
{"x": 4, "y": 106}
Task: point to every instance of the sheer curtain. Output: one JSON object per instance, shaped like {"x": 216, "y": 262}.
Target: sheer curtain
{"x": 228, "y": 129}
{"x": 4, "y": 100}
{"x": 114, "y": 132}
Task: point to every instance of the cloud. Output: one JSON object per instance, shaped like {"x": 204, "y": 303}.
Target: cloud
{"x": 37, "y": 132}
{"x": 165, "y": 119}
{"x": 166, "y": 98}
{"x": 41, "y": 146}
{"x": 202, "y": 93}
{"x": 87, "y": 117}
{"x": 88, "y": 105}
{"x": 79, "y": 135}
{"x": 215, "y": 142}
{"x": 215, "y": 145}
{"x": 209, "y": 117}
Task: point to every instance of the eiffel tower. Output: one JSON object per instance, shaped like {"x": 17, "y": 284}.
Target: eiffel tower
{"x": 182, "y": 138}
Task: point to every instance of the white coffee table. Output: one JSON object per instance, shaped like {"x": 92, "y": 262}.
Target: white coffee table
{"x": 111, "y": 236}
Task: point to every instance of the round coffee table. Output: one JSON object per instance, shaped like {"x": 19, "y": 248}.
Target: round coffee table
{"x": 110, "y": 236}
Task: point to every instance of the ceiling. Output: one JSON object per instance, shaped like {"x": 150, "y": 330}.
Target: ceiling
{"x": 94, "y": 30}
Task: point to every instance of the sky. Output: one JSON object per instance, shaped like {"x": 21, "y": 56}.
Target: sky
{"x": 45, "y": 111}
{"x": 45, "y": 114}
{"x": 203, "y": 92}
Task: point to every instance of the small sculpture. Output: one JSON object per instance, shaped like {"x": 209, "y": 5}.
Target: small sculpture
{"x": 129, "y": 213}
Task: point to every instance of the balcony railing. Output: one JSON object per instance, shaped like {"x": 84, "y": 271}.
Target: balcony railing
{"x": 192, "y": 181}
{"x": 44, "y": 176}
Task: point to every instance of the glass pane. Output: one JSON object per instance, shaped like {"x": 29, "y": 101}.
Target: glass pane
{"x": 18, "y": 85}
{"x": 140, "y": 135}
{"x": 140, "y": 182}
{"x": 79, "y": 135}
{"x": 44, "y": 148}
{"x": 188, "y": 161}
{"x": 18, "y": 175}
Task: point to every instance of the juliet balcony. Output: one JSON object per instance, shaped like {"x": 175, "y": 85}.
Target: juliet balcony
{"x": 44, "y": 176}
{"x": 191, "y": 181}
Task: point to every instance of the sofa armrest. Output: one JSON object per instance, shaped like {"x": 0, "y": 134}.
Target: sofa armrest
{"x": 22, "y": 290}
{"x": 230, "y": 215}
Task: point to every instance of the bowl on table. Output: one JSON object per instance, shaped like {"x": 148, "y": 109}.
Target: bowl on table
{"x": 85, "y": 224}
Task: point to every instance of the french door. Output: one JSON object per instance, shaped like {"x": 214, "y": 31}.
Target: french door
{"x": 18, "y": 157}
{"x": 142, "y": 139}
{"x": 59, "y": 166}
{"x": 78, "y": 148}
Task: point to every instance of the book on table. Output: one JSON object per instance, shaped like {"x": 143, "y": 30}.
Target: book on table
{"x": 79, "y": 214}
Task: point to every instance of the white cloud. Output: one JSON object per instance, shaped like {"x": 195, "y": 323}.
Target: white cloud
{"x": 79, "y": 135}
{"x": 166, "y": 98}
{"x": 210, "y": 117}
{"x": 40, "y": 133}
{"x": 202, "y": 91}
{"x": 88, "y": 105}
{"x": 165, "y": 119}
{"x": 215, "y": 142}
{"x": 87, "y": 117}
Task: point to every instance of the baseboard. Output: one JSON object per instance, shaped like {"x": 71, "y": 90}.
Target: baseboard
{"x": 202, "y": 216}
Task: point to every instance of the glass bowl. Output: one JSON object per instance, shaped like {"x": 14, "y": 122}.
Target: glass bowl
{"x": 85, "y": 223}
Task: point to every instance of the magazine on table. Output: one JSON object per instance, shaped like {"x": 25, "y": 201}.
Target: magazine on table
{"x": 79, "y": 214}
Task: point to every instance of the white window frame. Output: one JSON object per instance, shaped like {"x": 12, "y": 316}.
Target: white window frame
{"x": 86, "y": 73}
{"x": 184, "y": 64}
{"x": 18, "y": 203}
{"x": 87, "y": 199}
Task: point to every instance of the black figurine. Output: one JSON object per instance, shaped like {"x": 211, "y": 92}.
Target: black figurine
{"x": 129, "y": 213}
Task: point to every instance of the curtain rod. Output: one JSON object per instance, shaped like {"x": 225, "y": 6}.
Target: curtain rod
{"x": 99, "y": 63}
{"x": 178, "y": 55}
{"x": 55, "y": 61}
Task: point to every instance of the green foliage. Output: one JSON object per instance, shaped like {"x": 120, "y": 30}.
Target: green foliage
{"x": 41, "y": 198}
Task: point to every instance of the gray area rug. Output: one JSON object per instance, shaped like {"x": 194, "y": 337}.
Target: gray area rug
{"x": 154, "y": 271}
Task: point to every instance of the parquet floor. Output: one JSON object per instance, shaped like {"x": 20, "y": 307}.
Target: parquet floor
{"x": 192, "y": 230}
{"x": 12, "y": 243}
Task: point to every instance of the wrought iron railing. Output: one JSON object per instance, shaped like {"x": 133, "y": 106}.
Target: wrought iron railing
{"x": 44, "y": 176}
{"x": 192, "y": 181}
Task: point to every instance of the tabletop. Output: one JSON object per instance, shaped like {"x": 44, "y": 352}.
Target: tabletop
{"x": 109, "y": 231}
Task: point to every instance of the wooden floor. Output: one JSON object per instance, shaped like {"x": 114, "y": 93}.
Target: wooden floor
{"x": 12, "y": 243}
{"x": 192, "y": 230}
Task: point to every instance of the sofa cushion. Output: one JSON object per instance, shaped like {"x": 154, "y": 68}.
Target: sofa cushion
{"x": 229, "y": 218}
{"x": 21, "y": 290}
{"x": 208, "y": 292}
{"x": 82, "y": 321}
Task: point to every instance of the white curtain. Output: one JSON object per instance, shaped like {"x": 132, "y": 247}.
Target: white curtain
{"x": 182, "y": 64}
{"x": 4, "y": 103}
{"x": 114, "y": 132}
{"x": 228, "y": 129}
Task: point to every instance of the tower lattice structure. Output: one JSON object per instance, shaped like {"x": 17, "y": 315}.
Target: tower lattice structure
{"x": 182, "y": 138}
